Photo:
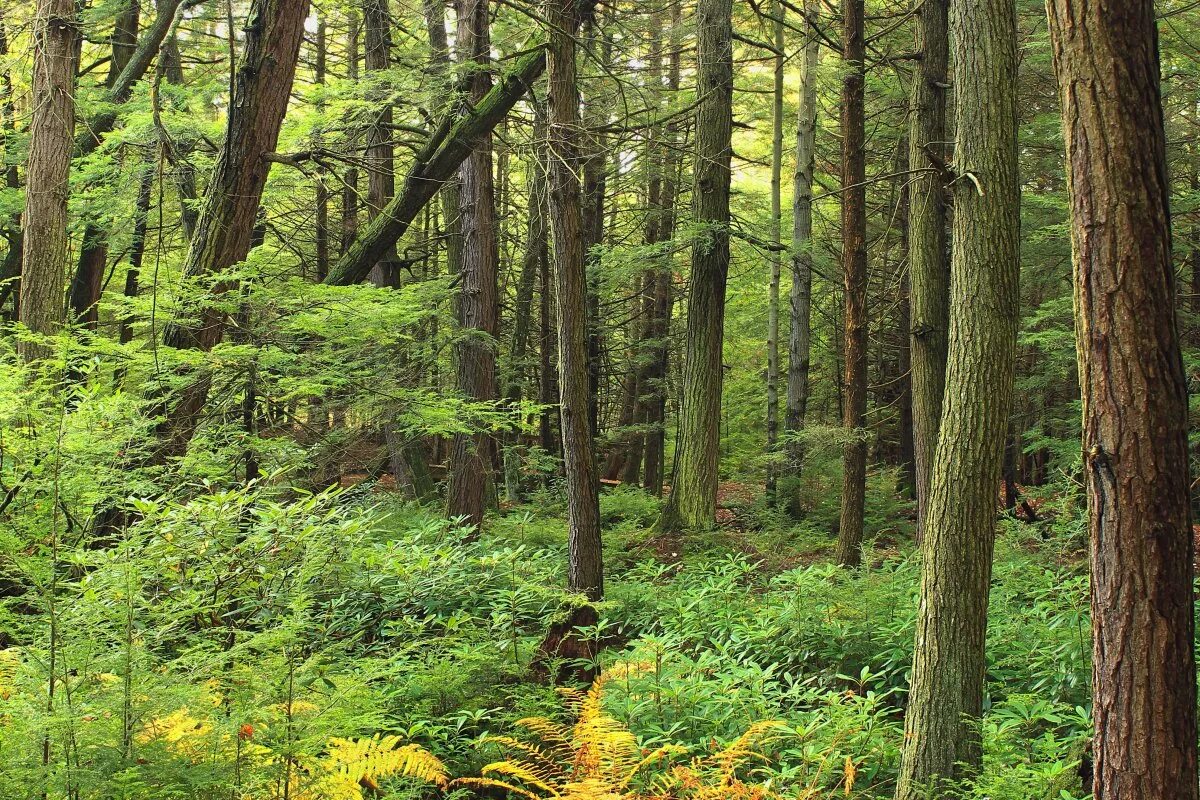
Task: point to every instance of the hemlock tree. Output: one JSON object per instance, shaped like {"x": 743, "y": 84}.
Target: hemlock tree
{"x": 585, "y": 573}
{"x": 800, "y": 295}
{"x": 854, "y": 271}
{"x": 1135, "y": 406}
{"x": 693, "y": 499}
{"x": 941, "y": 726}
{"x": 476, "y": 302}
{"x": 51, "y": 137}
{"x": 929, "y": 270}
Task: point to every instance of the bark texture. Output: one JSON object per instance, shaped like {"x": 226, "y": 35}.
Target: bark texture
{"x": 929, "y": 267}
{"x": 477, "y": 301}
{"x": 1134, "y": 401}
{"x": 694, "y": 491}
{"x": 854, "y": 271}
{"x": 949, "y": 665}
{"x": 51, "y": 137}
{"x": 585, "y": 572}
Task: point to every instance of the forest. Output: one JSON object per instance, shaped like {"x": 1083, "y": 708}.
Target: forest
{"x": 599, "y": 399}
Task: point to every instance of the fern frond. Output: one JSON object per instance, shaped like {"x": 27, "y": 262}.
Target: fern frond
{"x": 524, "y": 772}
{"x": 545, "y": 761}
{"x": 489, "y": 783}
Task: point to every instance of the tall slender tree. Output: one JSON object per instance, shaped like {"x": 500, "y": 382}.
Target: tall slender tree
{"x": 585, "y": 572}
{"x": 942, "y": 723}
{"x": 693, "y": 497}
{"x": 477, "y": 301}
{"x": 800, "y": 295}
{"x": 854, "y": 271}
{"x": 1135, "y": 406}
{"x": 776, "y": 255}
{"x": 929, "y": 267}
{"x": 51, "y": 137}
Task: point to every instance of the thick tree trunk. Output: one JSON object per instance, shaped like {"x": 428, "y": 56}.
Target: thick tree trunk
{"x": 1134, "y": 401}
{"x": 477, "y": 302}
{"x": 51, "y": 139}
{"x": 226, "y": 222}
{"x": 929, "y": 266}
{"x": 693, "y": 498}
{"x": 585, "y": 572}
{"x": 854, "y": 269}
{"x": 776, "y": 257}
{"x": 942, "y": 725}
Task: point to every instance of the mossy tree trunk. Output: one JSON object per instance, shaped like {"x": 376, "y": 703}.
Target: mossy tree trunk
{"x": 693, "y": 499}
{"x": 942, "y": 723}
{"x": 51, "y": 138}
{"x": 1135, "y": 406}
{"x": 585, "y": 572}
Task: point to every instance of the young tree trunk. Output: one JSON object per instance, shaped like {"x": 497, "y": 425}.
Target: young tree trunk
{"x": 928, "y": 264}
{"x": 776, "y": 256}
{"x": 137, "y": 247}
{"x": 10, "y": 268}
{"x": 585, "y": 564}
{"x": 471, "y": 459}
{"x": 380, "y": 154}
{"x": 227, "y": 217}
{"x": 942, "y": 724}
{"x": 322, "y": 192}
{"x": 185, "y": 173}
{"x": 693, "y": 498}
{"x": 854, "y": 269}
{"x": 350, "y": 180}
{"x": 1135, "y": 402}
{"x": 664, "y": 282}
{"x": 51, "y": 139}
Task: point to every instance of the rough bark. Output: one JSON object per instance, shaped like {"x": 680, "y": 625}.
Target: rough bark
{"x": 51, "y": 138}
{"x": 1134, "y": 401}
{"x": 776, "y": 255}
{"x": 942, "y": 724}
{"x": 380, "y": 153}
{"x": 322, "y": 187}
{"x": 585, "y": 572}
{"x": 929, "y": 266}
{"x": 477, "y": 300}
{"x": 854, "y": 271}
{"x": 226, "y": 221}
{"x": 350, "y": 179}
{"x": 10, "y": 268}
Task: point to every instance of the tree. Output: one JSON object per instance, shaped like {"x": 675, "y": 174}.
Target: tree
{"x": 476, "y": 302}
{"x": 1135, "y": 437}
{"x": 380, "y": 153}
{"x": 693, "y": 497}
{"x": 800, "y": 295}
{"x": 226, "y": 221}
{"x": 585, "y": 573}
{"x": 776, "y": 254}
{"x": 854, "y": 271}
{"x": 946, "y": 697}
{"x": 928, "y": 267}
{"x": 51, "y": 137}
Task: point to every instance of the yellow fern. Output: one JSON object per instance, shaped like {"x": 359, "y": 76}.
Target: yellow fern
{"x": 351, "y": 765}
{"x": 598, "y": 758}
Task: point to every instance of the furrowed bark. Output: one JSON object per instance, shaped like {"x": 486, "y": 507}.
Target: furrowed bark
{"x": 1135, "y": 405}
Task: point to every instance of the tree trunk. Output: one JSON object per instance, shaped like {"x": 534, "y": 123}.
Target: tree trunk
{"x": 693, "y": 498}
{"x": 942, "y": 725}
{"x": 854, "y": 269}
{"x": 472, "y": 455}
{"x": 929, "y": 267}
{"x": 1135, "y": 402}
{"x": 51, "y": 139}
{"x": 226, "y": 222}
{"x": 380, "y": 154}
{"x": 585, "y": 573}
{"x": 664, "y": 284}
{"x": 350, "y": 180}
{"x": 776, "y": 256}
{"x": 10, "y": 268}
{"x": 137, "y": 247}
{"x": 322, "y": 189}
